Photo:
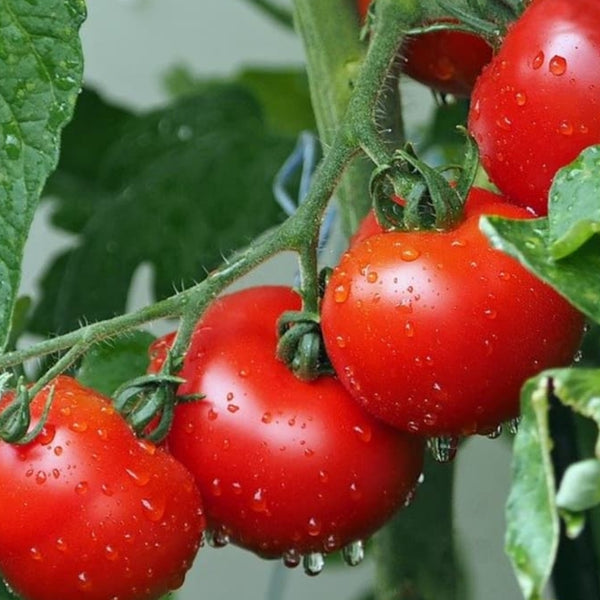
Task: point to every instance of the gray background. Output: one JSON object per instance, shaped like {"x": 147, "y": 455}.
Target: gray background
{"x": 128, "y": 45}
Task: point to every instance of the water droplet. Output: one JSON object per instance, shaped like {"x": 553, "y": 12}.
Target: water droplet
{"x": 185, "y": 133}
{"x": 230, "y": 396}
{"x": 443, "y": 448}
{"x": 291, "y": 558}
{"x": 111, "y": 553}
{"x": 495, "y": 433}
{"x": 421, "y": 479}
{"x": 490, "y": 313}
{"x": 513, "y": 425}
{"x": 47, "y": 434}
{"x": 267, "y": 417}
{"x": 82, "y": 488}
{"x": 215, "y": 487}
{"x": 323, "y": 476}
{"x": 429, "y": 419}
{"x": 355, "y": 492}
{"x": 58, "y": 450}
{"x": 313, "y": 563}
{"x": 83, "y": 582}
{"x": 233, "y": 408}
{"x": 259, "y": 501}
{"x": 340, "y": 341}
{"x": 409, "y": 329}
{"x": 364, "y": 432}
{"x": 341, "y": 293}
{"x": 212, "y": 415}
{"x": 106, "y": 490}
{"x": 78, "y": 426}
{"x": 521, "y": 98}
{"x": 372, "y": 276}
{"x": 236, "y": 486}
{"x": 565, "y": 128}
{"x": 35, "y": 554}
{"x": 218, "y": 538}
{"x": 504, "y": 123}
{"x": 354, "y": 553}
{"x": 538, "y": 60}
{"x": 154, "y": 508}
{"x": 61, "y": 545}
{"x": 40, "y": 477}
{"x": 409, "y": 254}
{"x": 313, "y": 527}
{"x": 557, "y": 65}
{"x": 140, "y": 478}
{"x": 244, "y": 373}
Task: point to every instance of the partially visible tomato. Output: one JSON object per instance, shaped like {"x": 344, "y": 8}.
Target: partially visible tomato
{"x": 285, "y": 467}
{"x": 446, "y": 61}
{"x": 91, "y": 512}
{"x": 434, "y": 333}
{"x": 537, "y": 104}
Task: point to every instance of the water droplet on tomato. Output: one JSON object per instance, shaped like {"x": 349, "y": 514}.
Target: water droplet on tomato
{"x": 78, "y": 426}
{"x": 341, "y": 293}
{"x": 217, "y": 538}
{"x": 233, "y": 408}
{"x": 111, "y": 553}
{"x": 355, "y": 492}
{"x": 538, "y": 60}
{"x": 35, "y": 554}
{"x": 236, "y": 486}
{"x": 267, "y": 418}
{"x": 429, "y": 419}
{"x": 291, "y": 558}
{"x": 83, "y": 582}
{"x": 82, "y": 488}
{"x": 413, "y": 426}
{"x": 140, "y": 478}
{"x": 215, "y": 487}
{"x": 364, "y": 432}
{"x": 353, "y": 553}
{"x": 313, "y": 563}
{"x": 331, "y": 543}
{"x": 243, "y": 373}
{"x": 409, "y": 329}
{"x": 106, "y": 490}
{"x": 46, "y": 435}
{"x": 443, "y": 448}
{"x": 154, "y": 508}
{"x": 495, "y": 433}
{"x": 259, "y": 501}
{"x": 61, "y": 545}
{"x": 583, "y": 129}
{"x": 504, "y": 123}
{"x": 372, "y": 276}
{"x": 340, "y": 341}
{"x": 212, "y": 414}
{"x": 521, "y": 98}
{"x": 565, "y": 128}
{"x": 58, "y": 450}
{"x": 409, "y": 254}
{"x": 558, "y": 65}
{"x": 65, "y": 411}
{"x": 313, "y": 527}
{"x": 490, "y": 313}
{"x": 40, "y": 477}
{"x": 323, "y": 476}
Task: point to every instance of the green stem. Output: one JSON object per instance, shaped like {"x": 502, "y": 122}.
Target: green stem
{"x": 416, "y": 558}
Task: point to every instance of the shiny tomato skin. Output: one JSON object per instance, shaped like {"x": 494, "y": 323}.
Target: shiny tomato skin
{"x": 537, "y": 104}
{"x": 434, "y": 333}
{"x": 282, "y": 464}
{"x": 89, "y": 512}
{"x": 446, "y": 61}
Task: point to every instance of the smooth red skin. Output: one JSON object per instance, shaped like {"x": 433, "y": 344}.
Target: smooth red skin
{"x": 282, "y": 464}
{"x": 440, "y": 342}
{"x": 530, "y": 118}
{"x": 446, "y": 61}
{"x": 89, "y": 512}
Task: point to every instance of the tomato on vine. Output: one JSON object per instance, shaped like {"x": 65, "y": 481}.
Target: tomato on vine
{"x": 448, "y": 61}
{"x": 537, "y": 104}
{"x": 435, "y": 332}
{"x": 286, "y": 467}
{"x": 90, "y": 511}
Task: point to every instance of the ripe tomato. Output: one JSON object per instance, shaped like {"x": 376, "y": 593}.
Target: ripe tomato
{"x": 446, "y": 61}
{"x": 285, "y": 467}
{"x": 537, "y": 104}
{"x": 89, "y": 511}
{"x": 435, "y": 333}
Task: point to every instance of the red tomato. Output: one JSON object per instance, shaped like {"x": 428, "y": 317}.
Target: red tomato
{"x": 446, "y": 61}
{"x": 285, "y": 467}
{"x": 89, "y": 511}
{"x": 537, "y": 105}
{"x": 435, "y": 333}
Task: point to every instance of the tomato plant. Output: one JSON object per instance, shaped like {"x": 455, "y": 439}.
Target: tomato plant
{"x": 435, "y": 332}
{"x": 536, "y": 105}
{"x": 285, "y": 467}
{"x": 86, "y": 500}
{"x": 448, "y": 61}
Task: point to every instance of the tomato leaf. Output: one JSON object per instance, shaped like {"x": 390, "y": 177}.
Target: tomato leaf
{"x": 574, "y": 212}
{"x": 579, "y": 489}
{"x": 41, "y": 66}
{"x": 179, "y": 188}
{"x": 575, "y": 276}
{"x": 532, "y": 521}
{"x": 107, "y": 366}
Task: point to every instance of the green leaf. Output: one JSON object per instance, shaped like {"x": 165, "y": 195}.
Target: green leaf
{"x": 107, "y": 366}
{"x": 580, "y": 486}
{"x": 180, "y": 188}
{"x": 6, "y": 593}
{"x": 41, "y": 66}
{"x": 532, "y": 522}
{"x": 575, "y": 276}
{"x": 574, "y": 212}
